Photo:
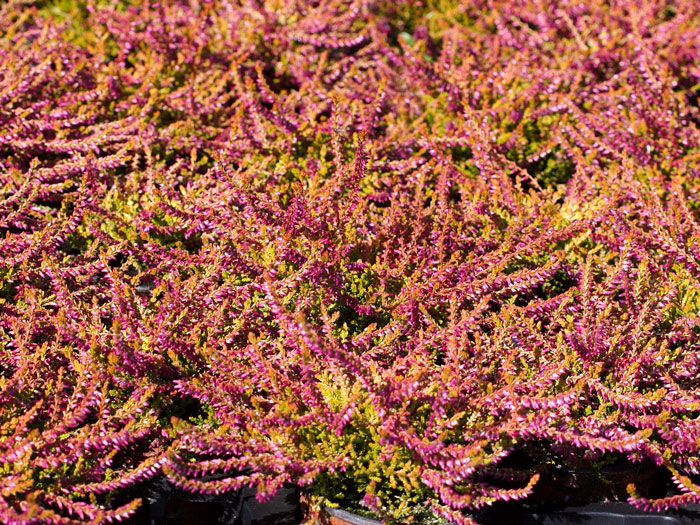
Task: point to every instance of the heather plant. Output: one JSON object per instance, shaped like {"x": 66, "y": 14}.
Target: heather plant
{"x": 374, "y": 249}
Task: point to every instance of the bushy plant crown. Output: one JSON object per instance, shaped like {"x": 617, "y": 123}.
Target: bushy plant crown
{"x": 368, "y": 248}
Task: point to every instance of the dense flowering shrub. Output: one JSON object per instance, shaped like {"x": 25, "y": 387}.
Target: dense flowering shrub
{"x": 371, "y": 248}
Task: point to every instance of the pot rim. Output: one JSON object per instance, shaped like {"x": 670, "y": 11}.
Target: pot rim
{"x": 350, "y": 516}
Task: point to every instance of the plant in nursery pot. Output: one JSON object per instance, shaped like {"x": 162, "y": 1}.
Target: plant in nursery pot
{"x": 432, "y": 414}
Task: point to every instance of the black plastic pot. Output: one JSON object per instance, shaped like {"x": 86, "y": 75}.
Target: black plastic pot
{"x": 617, "y": 513}
{"x": 283, "y": 509}
{"x": 562, "y": 485}
{"x": 165, "y": 504}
